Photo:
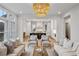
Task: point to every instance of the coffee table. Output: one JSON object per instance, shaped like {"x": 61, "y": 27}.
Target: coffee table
{"x": 40, "y": 52}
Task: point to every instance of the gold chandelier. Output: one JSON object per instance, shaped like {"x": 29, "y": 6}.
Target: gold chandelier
{"x": 41, "y": 9}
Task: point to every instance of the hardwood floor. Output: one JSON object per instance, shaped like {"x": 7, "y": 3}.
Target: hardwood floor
{"x": 29, "y": 52}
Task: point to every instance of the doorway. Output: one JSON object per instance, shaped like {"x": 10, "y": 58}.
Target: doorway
{"x": 67, "y": 27}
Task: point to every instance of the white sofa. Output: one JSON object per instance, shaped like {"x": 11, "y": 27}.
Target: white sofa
{"x": 62, "y": 51}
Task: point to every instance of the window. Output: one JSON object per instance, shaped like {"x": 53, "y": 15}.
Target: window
{"x": 3, "y": 13}
{"x": 67, "y": 26}
{"x": 7, "y": 31}
{"x": 1, "y": 31}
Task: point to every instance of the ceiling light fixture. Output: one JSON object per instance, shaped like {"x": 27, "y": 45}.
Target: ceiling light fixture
{"x": 59, "y": 13}
{"x": 20, "y": 12}
{"x": 41, "y": 9}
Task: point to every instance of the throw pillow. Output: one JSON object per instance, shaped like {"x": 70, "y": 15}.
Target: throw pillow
{"x": 10, "y": 47}
{"x": 67, "y": 43}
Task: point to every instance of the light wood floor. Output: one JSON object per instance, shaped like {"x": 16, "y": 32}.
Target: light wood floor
{"x": 50, "y": 51}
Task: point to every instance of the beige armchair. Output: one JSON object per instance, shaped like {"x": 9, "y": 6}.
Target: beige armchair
{"x": 3, "y": 49}
{"x": 9, "y": 48}
{"x": 18, "y": 51}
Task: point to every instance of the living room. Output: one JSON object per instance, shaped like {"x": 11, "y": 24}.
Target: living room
{"x": 39, "y": 29}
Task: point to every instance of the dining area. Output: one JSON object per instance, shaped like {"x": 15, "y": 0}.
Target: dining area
{"x": 39, "y": 44}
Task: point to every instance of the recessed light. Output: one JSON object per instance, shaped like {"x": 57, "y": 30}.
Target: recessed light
{"x": 20, "y": 12}
{"x": 59, "y": 13}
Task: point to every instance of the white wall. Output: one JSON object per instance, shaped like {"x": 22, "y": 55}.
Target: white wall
{"x": 28, "y": 27}
{"x": 60, "y": 30}
{"x": 20, "y": 30}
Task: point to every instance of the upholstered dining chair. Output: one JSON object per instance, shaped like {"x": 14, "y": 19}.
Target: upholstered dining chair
{"x": 45, "y": 41}
{"x": 32, "y": 40}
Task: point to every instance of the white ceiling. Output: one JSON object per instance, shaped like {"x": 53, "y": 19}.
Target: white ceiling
{"x": 26, "y": 8}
